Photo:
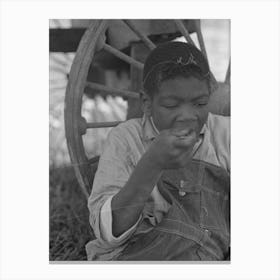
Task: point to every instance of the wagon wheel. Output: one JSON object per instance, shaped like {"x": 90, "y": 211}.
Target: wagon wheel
{"x": 76, "y": 126}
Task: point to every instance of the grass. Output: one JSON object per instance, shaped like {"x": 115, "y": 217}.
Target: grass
{"x": 68, "y": 217}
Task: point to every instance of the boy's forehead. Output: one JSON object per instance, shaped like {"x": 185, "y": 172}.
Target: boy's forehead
{"x": 181, "y": 88}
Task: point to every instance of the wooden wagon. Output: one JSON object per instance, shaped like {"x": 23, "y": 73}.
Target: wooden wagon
{"x": 120, "y": 44}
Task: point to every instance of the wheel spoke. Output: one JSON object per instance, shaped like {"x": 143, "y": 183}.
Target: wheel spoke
{"x": 202, "y": 46}
{"x": 123, "y": 56}
{"x": 227, "y": 79}
{"x": 112, "y": 91}
{"x": 187, "y": 36}
{"x": 102, "y": 124}
{"x": 184, "y": 31}
{"x": 93, "y": 160}
{"x": 200, "y": 38}
{"x": 84, "y": 125}
{"x": 140, "y": 34}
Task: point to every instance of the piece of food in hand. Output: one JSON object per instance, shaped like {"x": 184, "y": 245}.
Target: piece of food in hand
{"x": 185, "y": 133}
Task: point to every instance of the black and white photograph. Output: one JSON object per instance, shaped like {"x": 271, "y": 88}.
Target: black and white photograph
{"x": 140, "y": 140}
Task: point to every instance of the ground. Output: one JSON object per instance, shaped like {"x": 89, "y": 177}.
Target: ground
{"x": 69, "y": 225}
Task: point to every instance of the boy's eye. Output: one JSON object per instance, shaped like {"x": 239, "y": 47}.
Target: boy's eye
{"x": 200, "y": 104}
{"x": 170, "y": 105}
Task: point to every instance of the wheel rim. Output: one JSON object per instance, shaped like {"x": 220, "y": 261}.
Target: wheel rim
{"x": 73, "y": 104}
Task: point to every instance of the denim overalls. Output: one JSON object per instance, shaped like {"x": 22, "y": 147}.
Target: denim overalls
{"x": 197, "y": 225}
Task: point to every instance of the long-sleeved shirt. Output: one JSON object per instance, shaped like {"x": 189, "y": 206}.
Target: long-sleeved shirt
{"x": 124, "y": 147}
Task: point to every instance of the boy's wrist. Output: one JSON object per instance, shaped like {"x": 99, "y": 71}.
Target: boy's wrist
{"x": 151, "y": 162}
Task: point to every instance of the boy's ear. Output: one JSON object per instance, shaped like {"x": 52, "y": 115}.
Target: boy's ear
{"x": 146, "y": 103}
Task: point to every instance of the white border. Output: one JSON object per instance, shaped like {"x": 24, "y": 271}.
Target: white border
{"x": 255, "y": 138}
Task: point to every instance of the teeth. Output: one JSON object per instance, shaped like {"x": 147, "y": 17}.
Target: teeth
{"x": 182, "y": 136}
{"x": 186, "y": 135}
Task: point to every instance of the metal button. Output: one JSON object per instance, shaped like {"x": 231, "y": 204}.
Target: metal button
{"x": 182, "y": 193}
{"x": 181, "y": 184}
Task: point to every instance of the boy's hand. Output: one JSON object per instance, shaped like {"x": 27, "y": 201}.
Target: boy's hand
{"x": 172, "y": 148}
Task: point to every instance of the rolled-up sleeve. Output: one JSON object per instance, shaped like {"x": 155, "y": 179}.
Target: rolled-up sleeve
{"x": 114, "y": 169}
{"x": 106, "y": 226}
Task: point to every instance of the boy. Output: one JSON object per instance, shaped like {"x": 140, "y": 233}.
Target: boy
{"x": 161, "y": 191}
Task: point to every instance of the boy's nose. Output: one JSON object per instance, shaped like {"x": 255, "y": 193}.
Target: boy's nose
{"x": 187, "y": 114}
{"x": 187, "y": 117}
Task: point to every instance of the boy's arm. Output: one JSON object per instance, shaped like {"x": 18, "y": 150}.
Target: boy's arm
{"x": 129, "y": 202}
{"x": 114, "y": 168}
{"x": 171, "y": 149}
{"x": 106, "y": 226}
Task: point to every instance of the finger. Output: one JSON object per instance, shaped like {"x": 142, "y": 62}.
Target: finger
{"x": 181, "y": 132}
{"x": 186, "y": 141}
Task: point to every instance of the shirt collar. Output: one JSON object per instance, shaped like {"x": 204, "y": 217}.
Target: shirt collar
{"x": 149, "y": 132}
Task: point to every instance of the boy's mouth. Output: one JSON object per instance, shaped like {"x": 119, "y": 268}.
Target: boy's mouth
{"x": 187, "y": 133}
{"x": 191, "y": 126}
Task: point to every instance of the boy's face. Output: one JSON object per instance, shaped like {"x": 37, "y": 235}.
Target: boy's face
{"x": 180, "y": 103}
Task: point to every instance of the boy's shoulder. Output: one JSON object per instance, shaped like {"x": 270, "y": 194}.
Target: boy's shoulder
{"x": 128, "y": 131}
{"x": 131, "y": 126}
{"x": 216, "y": 145}
{"x": 218, "y": 124}
{"x": 125, "y": 140}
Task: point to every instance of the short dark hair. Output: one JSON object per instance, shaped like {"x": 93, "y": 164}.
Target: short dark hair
{"x": 171, "y": 71}
{"x": 174, "y": 59}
